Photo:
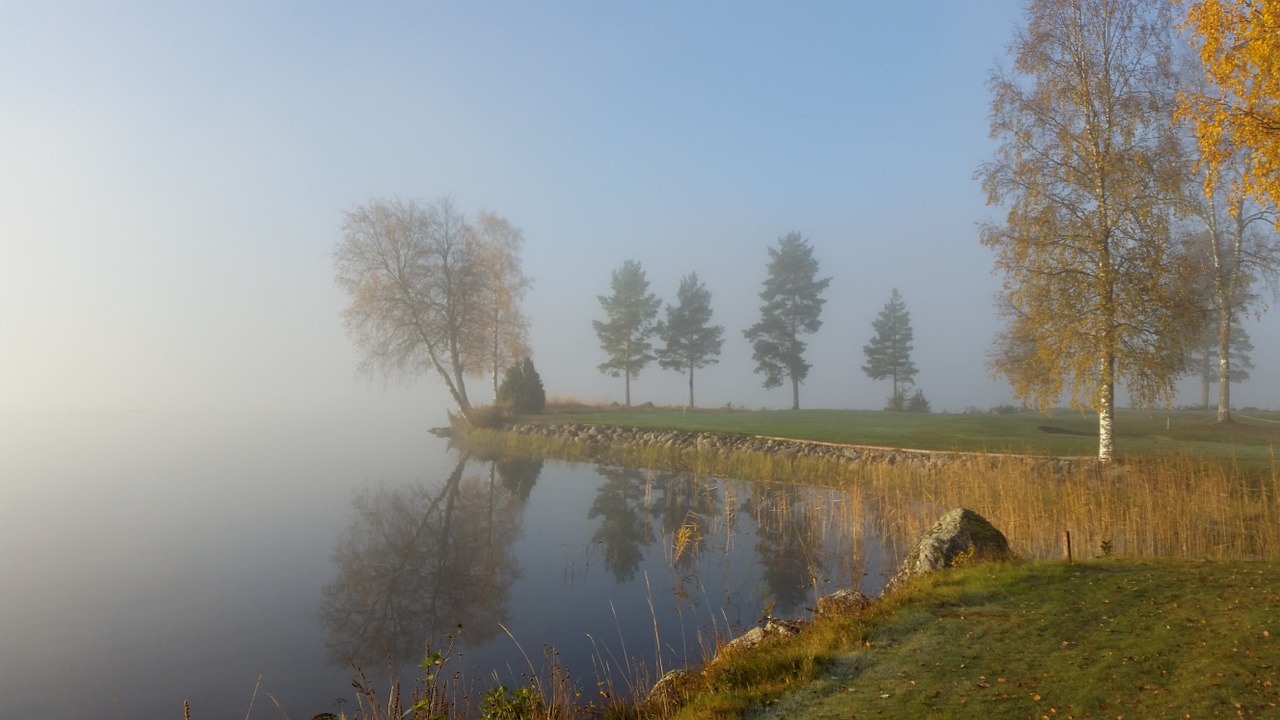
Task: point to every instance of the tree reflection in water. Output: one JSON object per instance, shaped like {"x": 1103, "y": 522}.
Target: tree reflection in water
{"x": 624, "y": 529}
{"x": 519, "y": 475}
{"x": 793, "y": 526}
{"x": 417, "y": 561}
{"x": 630, "y": 499}
{"x": 686, "y": 508}
{"x": 789, "y": 543}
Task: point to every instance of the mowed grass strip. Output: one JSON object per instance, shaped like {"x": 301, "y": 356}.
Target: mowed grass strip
{"x": 1062, "y": 432}
{"x": 1105, "y": 638}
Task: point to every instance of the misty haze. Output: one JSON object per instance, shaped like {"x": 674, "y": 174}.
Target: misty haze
{"x": 225, "y": 346}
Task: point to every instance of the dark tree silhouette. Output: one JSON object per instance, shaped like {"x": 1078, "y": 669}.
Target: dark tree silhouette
{"x": 889, "y": 353}
{"x": 624, "y": 336}
{"x": 792, "y": 306}
{"x": 689, "y": 340}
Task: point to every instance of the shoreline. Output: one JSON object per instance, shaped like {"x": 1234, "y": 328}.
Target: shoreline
{"x": 745, "y": 457}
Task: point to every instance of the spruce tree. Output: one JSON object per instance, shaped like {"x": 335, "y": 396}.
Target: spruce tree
{"x": 624, "y": 336}
{"x": 521, "y": 388}
{"x": 793, "y": 302}
{"x": 889, "y": 354}
{"x": 688, "y": 339}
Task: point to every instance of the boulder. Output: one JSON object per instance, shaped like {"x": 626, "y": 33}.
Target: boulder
{"x": 669, "y": 692}
{"x": 960, "y": 536}
{"x": 842, "y": 602}
{"x": 772, "y": 627}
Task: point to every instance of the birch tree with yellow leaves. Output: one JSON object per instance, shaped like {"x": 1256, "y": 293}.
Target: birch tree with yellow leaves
{"x": 505, "y": 329}
{"x": 1085, "y": 168}
{"x": 429, "y": 293}
{"x": 1237, "y": 120}
{"x": 1230, "y": 243}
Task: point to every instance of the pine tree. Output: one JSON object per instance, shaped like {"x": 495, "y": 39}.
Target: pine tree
{"x": 889, "y": 354}
{"x": 625, "y": 335}
{"x": 689, "y": 340}
{"x": 793, "y": 302}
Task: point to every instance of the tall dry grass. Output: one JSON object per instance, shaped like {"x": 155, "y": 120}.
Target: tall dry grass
{"x": 1150, "y": 507}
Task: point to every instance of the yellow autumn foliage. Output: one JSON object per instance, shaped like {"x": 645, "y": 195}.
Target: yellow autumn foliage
{"x": 1240, "y": 113}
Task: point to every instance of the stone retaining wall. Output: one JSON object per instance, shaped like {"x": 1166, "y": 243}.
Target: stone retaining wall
{"x": 605, "y": 441}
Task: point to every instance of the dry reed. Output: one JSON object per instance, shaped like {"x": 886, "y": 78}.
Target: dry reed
{"x": 1150, "y": 507}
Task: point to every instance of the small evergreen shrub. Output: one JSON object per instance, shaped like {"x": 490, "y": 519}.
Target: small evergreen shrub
{"x": 902, "y": 403}
{"x": 918, "y": 403}
{"x": 897, "y": 402}
{"x": 521, "y": 389}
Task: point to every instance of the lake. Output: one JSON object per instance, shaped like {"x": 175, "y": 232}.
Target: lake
{"x": 148, "y": 559}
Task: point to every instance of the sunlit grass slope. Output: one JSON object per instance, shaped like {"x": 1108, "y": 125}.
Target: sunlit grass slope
{"x": 1105, "y": 638}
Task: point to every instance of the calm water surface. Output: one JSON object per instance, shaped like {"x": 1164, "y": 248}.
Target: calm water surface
{"x": 148, "y": 559}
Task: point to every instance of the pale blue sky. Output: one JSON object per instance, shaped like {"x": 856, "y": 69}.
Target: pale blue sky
{"x": 172, "y": 177}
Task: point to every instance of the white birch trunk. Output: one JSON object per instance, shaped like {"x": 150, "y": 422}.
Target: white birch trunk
{"x": 1224, "y": 366}
{"x": 1106, "y": 410}
{"x": 1106, "y": 440}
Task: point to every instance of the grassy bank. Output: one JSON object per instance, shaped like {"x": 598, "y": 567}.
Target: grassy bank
{"x": 1105, "y": 638}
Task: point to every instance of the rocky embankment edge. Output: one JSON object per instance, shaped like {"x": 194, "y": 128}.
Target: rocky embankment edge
{"x": 723, "y": 453}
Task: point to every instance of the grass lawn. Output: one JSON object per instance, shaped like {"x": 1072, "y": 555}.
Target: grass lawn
{"x": 1061, "y": 432}
{"x": 1107, "y": 638}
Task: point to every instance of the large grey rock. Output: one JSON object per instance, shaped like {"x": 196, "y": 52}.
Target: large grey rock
{"x": 960, "y": 536}
{"x": 668, "y": 694}
{"x": 772, "y": 627}
{"x": 842, "y": 602}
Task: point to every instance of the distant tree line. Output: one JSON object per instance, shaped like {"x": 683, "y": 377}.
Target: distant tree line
{"x": 792, "y": 302}
{"x": 791, "y": 307}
